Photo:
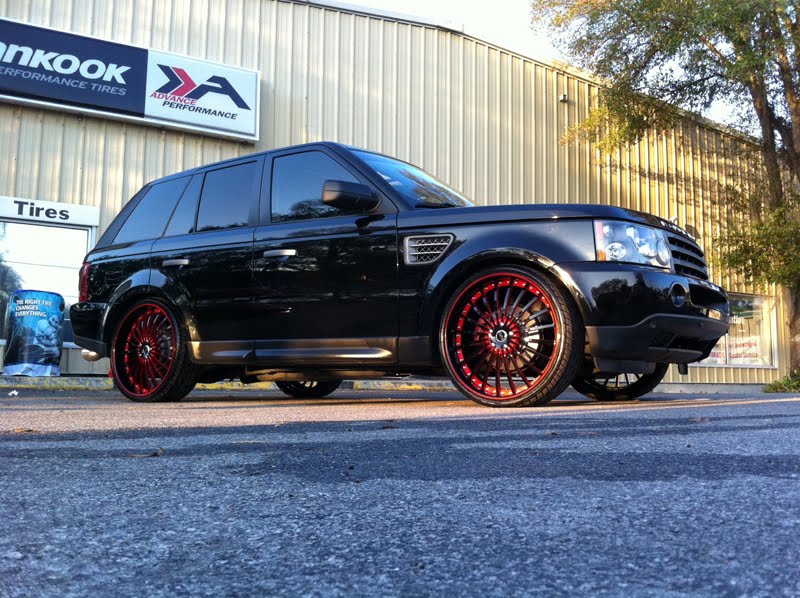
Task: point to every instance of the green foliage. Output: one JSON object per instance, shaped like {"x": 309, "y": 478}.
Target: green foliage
{"x": 786, "y": 384}
{"x": 765, "y": 244}
{"x": 658, "y": 57}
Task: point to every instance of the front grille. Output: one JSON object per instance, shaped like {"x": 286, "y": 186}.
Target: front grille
{"x": 426, "y": 249}
{"x": 687, "y": 257}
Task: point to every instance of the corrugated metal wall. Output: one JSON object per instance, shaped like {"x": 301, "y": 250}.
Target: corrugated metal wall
{"x": 485, "y": 120}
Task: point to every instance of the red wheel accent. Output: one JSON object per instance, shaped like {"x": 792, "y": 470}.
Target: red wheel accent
{"x": 501, "y": 336}
{"x": 144, "y": 350}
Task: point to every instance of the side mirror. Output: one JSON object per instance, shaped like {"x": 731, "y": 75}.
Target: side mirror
{"x": 352, "y": 197}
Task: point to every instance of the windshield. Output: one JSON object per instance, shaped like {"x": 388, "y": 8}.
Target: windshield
{"x": 418, "y": 188}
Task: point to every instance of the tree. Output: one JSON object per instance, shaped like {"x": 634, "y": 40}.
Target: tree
{"x": 657, "y": 58}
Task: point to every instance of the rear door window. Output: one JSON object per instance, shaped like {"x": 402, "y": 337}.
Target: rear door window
{"x": 149, "y": 218}
{"x": 230, "y": 196}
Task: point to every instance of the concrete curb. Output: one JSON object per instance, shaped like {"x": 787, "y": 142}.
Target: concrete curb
{"x": 409, "y": 384}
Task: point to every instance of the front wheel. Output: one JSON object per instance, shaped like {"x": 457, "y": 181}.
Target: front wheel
{"x": 308, "y": 389}
{"x": 510, "y": 337}
{"x": 149, "y": 359}
{"x": 620, "y": 387}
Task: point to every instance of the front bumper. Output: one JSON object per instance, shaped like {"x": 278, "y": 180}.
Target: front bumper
{"x": 637, "y": 316}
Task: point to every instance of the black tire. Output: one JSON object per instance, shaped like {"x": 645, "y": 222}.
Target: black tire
{"x": 309, "y": 389}
{"x": 511, "y": 337}
{"x": 622, "y": 387}
{"x": 149, "y": 358}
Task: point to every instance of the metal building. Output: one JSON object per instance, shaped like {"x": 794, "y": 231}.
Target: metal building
{"x": 485, "y": 120}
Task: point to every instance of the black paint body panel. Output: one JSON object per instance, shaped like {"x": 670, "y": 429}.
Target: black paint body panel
{"x": 342, "y": 291}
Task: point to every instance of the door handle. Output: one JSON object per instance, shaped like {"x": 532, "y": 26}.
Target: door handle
{"x": 280, "y": 253}
{"x": 177, "y": 262}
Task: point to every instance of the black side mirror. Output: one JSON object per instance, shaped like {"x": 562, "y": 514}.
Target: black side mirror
{"x": 352, "y": 197}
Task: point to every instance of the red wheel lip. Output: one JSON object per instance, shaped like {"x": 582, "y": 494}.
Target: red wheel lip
{"x": 454, "y": 367}
{"x": 126, "y": 387}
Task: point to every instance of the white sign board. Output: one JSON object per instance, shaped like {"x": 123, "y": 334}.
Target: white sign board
{"x": 201, "y": 93}
{"x": 48, "y": 211}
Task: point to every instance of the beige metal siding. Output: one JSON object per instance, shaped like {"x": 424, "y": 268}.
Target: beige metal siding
{"x": 487, "y": 121}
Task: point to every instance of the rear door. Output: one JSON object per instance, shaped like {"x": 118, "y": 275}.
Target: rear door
{"x": 206, "y": 255}
{"x": 325, "y": 280}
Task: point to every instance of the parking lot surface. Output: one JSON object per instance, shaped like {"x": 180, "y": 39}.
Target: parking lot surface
{"x": 397, "y": 494}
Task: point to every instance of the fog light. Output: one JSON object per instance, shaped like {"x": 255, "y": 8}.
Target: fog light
{"x": 678, "y": 295}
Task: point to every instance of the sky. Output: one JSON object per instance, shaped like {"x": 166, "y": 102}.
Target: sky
{"x": 505, "y": 23}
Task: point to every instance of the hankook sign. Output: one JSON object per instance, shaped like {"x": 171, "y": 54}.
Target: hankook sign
{"x": 70, "y": 72}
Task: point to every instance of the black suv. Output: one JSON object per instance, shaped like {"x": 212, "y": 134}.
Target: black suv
{"x": 319, "y": 262}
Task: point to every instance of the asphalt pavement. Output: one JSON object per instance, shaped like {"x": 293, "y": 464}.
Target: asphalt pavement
{"x": 398, "y": 494}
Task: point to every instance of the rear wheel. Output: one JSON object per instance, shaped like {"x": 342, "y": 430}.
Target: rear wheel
{"x": 149, "y": 359}
{"x": 620, "y": 387}
{"x": 510, "y": 337}
{"x": 309, "y": 389}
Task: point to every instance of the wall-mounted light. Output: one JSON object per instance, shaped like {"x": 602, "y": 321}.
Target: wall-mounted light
{"x": 563, "y": 98}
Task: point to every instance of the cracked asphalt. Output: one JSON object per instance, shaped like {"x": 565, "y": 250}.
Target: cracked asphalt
{"x": 398, "y": 494}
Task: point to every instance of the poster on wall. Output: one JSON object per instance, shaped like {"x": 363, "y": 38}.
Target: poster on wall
{"x": 34, "y": 334}
{"x": 61, "y": 70}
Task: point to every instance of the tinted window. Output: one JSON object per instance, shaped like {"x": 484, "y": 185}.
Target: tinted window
{"x": 116, "y": 224}
{"x": 228, "y": 195}
{"x": 182, "y": 221}
{"x": 414, "y": 184}
{"x": 150, "y": 217}
{"x": 297, "y": 181}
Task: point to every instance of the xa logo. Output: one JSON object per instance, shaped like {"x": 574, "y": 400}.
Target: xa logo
{"x": 181, "y": 84}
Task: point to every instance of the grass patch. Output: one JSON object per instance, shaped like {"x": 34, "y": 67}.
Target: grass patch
{"x": 786, "y": 384}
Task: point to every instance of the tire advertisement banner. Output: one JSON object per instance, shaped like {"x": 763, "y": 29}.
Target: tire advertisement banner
{"x": 50, "y": 68}
{"x": 34, "y": 334}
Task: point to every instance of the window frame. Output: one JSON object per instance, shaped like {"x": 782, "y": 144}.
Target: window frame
{"x": 91, "y": 239}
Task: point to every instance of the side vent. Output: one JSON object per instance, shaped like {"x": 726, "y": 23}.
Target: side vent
{"x": 425, "y": 249}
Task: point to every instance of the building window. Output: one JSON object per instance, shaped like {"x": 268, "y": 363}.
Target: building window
{"x": 751, "y": 337}
{"x": 41, "y": 257}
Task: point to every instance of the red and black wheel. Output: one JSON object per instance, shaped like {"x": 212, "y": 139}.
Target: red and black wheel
{"x": 149, "y": 359}
{"x": 511, "y": 338}
{"x": 620, "y": 387}
{"x": 309, "y": 389}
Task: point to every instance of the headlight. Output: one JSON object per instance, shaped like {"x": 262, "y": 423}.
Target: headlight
{"x": 617, "y": 241}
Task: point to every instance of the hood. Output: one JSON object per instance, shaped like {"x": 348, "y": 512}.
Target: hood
{"x": 423, "y": 217}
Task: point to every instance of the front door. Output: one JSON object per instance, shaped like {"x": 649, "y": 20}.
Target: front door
{"x": 325, "y": 281}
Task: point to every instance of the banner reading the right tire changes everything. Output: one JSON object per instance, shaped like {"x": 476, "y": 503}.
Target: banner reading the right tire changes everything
{"x": 34, "y": 334}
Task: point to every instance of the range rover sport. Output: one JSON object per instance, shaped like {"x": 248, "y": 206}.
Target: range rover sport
{"x": 314, "y": 263}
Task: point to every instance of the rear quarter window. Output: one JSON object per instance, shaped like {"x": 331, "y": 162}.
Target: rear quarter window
{"x": 150, "y": 216}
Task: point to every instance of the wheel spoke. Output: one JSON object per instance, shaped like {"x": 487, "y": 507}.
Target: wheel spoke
{"x": 539, "y": 313}
{"x": 507, "y": 368}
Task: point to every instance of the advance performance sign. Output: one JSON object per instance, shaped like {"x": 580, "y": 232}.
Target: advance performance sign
{"x": 51, "y": 68}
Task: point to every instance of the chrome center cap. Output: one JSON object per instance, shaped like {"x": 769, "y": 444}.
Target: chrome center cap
{"x": 499, "y": 338}
{"x": 145, "y": 352}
